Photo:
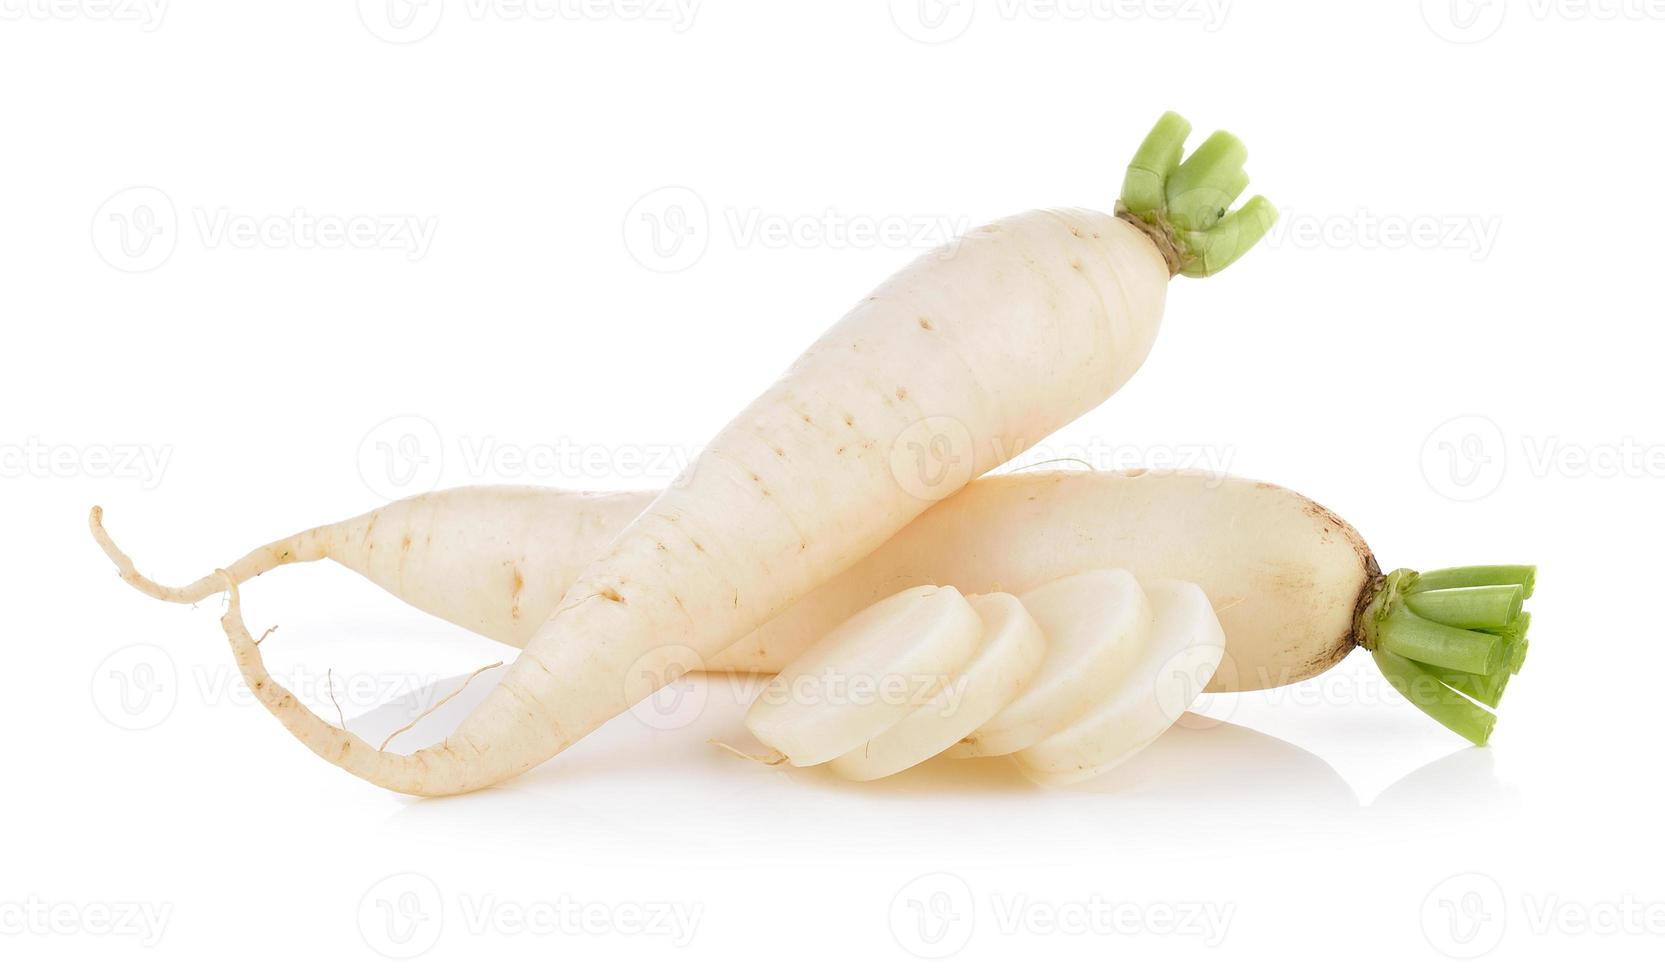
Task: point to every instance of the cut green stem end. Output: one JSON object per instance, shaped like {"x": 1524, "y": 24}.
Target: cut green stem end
{"x": 1450, "y": 640}
{"x": 1183, "y": 203}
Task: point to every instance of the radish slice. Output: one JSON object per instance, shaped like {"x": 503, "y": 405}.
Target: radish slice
{"x": 1185, "y": 648}
{"x": 1012, "y": 649}
{"x": 866, "y": 675}
{"x": 1096, "y": 623}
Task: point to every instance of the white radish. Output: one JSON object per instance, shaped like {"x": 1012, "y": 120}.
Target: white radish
{"x": 1095, "y": 623}
{"x": 1181, "y": 655}
{"x": 982, "y": 346}
{"x": 1011, "y": 650}
{"x": 1295, "y": 586}
{"x": 1285, "y": 574}
{"x": 873, "y": 671}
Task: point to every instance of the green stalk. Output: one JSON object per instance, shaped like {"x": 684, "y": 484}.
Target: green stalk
{"x": 1484, "y": 688}
{"x": 1423, "y": 688}
{"x": 1450, "y": 640}
{"x": 1184, "y": 204}
{"x": 1485, "y": 607}
{"x": 1477, "y": 575}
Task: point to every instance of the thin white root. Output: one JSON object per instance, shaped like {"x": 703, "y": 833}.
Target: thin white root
{"x": 340, "y": 716}
{"x": 770, "y": 758}
{"x": 437, "y": 704}
{"x": 305, "y": 546}
{"x": 439, "y": 770}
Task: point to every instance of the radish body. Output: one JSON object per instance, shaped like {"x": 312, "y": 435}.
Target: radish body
{"x": 1011, "y": 651}
{"x": 989, "y": 344}
{"x": 872, "y": 671}
{"x": 1284, "y": 574}
{"x": 1184, "y": 649}
{"x": 978, "y": 348}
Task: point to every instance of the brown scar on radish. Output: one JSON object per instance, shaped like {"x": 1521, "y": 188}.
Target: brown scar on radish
{"x": 925, "y": 324}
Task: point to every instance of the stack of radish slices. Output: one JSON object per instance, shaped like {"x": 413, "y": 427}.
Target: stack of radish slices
{"x": 1068, "y": 679}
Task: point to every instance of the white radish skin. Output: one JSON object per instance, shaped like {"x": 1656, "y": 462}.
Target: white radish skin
{"x": 1284, "y": 574}
{"x": 491, "y": 559}
{"x": 1009, "y": 654}
{"x": 1184, "y": 649}
{"x": 1095, "y": 623}
{"x": 990, "y": 343}
{"x": 867, "y": 675}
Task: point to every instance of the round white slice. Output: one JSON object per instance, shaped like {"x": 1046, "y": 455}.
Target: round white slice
{"x": 866, "y": 675}
{"x": 1011, "y": 651}
{"x": 1096, "y": 624}
{"x": 1185, "y": 648}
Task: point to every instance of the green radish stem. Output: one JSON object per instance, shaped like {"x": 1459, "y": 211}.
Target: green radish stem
{"x": 1422, "y": 687}
{"x": 1184, "y": 204}
{"x": 1486, "y": 607}
{"x": 1449, "y": 640}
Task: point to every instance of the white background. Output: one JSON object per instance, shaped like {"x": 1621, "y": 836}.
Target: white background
{"x": 1452, "y": 339}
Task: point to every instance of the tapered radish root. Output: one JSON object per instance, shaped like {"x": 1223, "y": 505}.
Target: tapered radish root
{"x": 1095, "y": 623}
{"x": 1184, "y": 649}
{"x": 1010, "y": 652}
{"x": 870, "y": 673}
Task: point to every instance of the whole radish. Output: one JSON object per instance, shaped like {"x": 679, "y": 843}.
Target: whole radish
{"x": 991, "y": 342}
{"x": 1295, "y": 587}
